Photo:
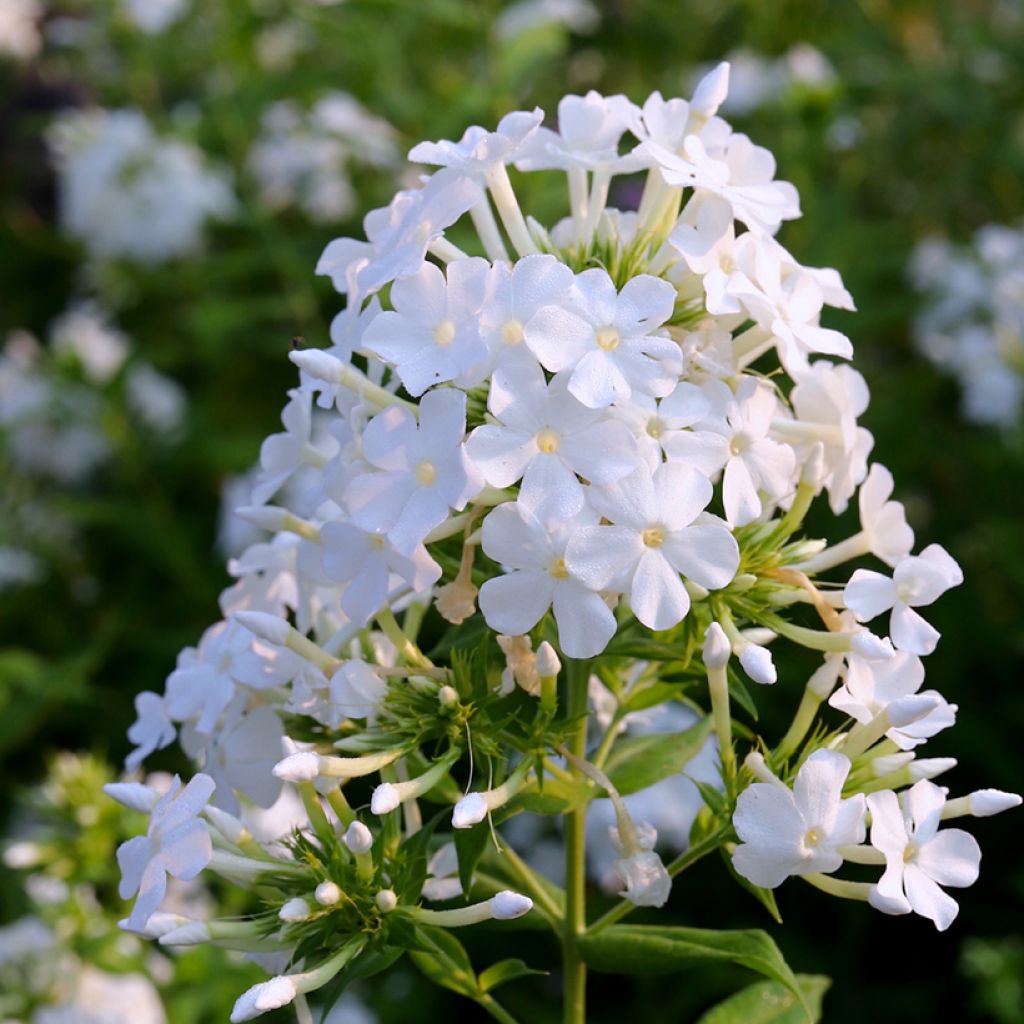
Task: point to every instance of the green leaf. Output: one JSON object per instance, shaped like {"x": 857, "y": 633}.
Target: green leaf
{"x": 444, "y": 960}
{"x": 637, "y": 762}
{"x": 470, "y": 844}
{"x": 741, "y": 694}
{"x": 503, "y": 971}
{"x": 372, "y": 962}
{"x": 768, "y": 1002}
{"x": 646, "y": 949}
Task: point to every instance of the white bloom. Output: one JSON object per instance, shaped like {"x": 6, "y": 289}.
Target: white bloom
{"x": 281, "y": 455}
{"x": 645, "y": 880}
{"x": 827, "y": 401}
{"x": 917, "y": 580}
{"x": 152, "y": 730}
{"x": 655, "y": 423}
{"x": 734, "y": 437}
{"x": 158, "y": 401}
{"x": 365, "y": 561}
{"x": 267, "y": 995}
{"x": 19, "y": 28}
{"x": 177, "y": 844}
{"x": 883, "y": 522}
{"x": 356, "y": 690}
{"x": 432, "y": 334}
{"x": 422, "y": 470}
{"x": 800, "y": 831}
{"x": 654, "y": 537}
{"x": 479, "y": 150}
{"x": 84, "y": 332}
{"x": 605, "y": 340}
{"x": 788, "y": 305}
{"x": 589, "y": 130}
{"x": 918, "y": 857}
{"x": 579, "y": 16}
{"x": 545, "y": 437}
{"x": 398, "y": 236}
{"x": 126, "y": 192}
{"x": 871, "y": 685}
{"x": 442, "y": 881}
{"x": 540, "y": 579}
{"x": 154, "y": 16}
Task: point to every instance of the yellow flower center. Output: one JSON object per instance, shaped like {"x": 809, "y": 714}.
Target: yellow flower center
{"x": 813, "y": 837}
{"x": 512, "y": 332}
{"x": 558, "y": 570}
{"x": 653, "y": 537}
{"x": 426, "y": 474}
{"x": 608, "y": 339}
{"x": 444, "y": 333}
{"x": 548, "y": 441}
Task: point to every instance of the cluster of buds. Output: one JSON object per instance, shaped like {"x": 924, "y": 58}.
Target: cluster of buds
{"x": 574, "y": 436}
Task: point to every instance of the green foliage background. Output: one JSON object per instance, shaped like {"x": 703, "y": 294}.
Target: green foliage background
{"x": 936, "y": 90}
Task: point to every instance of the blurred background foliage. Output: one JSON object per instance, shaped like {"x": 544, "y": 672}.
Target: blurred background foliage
{"x": 897, "y": 119}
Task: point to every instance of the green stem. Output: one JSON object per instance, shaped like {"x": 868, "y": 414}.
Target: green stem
{"x": 406, "y": 648}
{"x": 495, "y": 1009}
{"x": 534, "y": 886}
{"x": 574, "y": 970}
{"x": 607, "y": 741}
{"x": 680, "y": 864}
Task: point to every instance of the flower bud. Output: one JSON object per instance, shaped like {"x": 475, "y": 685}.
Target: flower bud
{"x": 469, "y": 811}
{"x": 301, "y": 767}
{"x": 986, "y": 802}
{"x": 133, "y": 795}
{"x": 267, "y": 995}
{"x": 547, "y": 660}
{"x": 386, "y": 901}
{"x": 226, "y": 824}
{"x": 930, "y": 767}
{"x": 758, "y": 664}
{"x": 265, "y": 517}
{"x": 385, "y": 799}
{"x": 447, "y": 696}
{"x": 508, "y": 905}
{"x": 358, "y": 838}
{"x": 327, "y": 893}
{"x": 890, "y": 763}
{"x": 319, "y": 364}
{"x": 195, "y": 933}
{"x": 296, "y": 909}
{"x": 716, "y": 647}
{"x": 271, "y": 628}
{"x": 158, "y": 924}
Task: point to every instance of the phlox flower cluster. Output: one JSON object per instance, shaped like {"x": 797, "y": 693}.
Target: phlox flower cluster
{"x": 127, "y": 192}
{"x": 302, "y": 157}
{"x": 61, "y": 410}
{"x": 971, "y": 321}
{"x": 590, "y": 447}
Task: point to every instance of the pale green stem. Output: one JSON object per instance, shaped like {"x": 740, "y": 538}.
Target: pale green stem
{"x": 508, "y": 210}
{"x": 846, "y": 550}
{"x": 861, "y": 854}
{"x": 805, "y": 715}
{"x": 574, "y": 971}
{"x": 577, "y": 199}
{"x": 405, "y": 647}
{"x": 446, "y": 251}
{"x": 487, "y": 228}
{"x": 718, "y": 686}
{"x": 840, "y": 887}
{"x": 598, "y": 198}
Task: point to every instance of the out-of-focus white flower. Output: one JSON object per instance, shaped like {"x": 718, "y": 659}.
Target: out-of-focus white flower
{"x": 84, "y": 332}
{"x": 154, "y": 16}
{"x": 579, "y": 16}
{"x": 19, "y": 29}
{"x": 125, "y": 192}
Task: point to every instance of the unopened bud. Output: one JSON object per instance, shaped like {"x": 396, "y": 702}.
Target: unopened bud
{"x": 265, "y": 517}
{"x": 448, "y": 696}
{"x": 716, "y": 647}
{"x": 327, "y": 893}
{"x": 296, "y": 909}
{"x": 469, "y": 811}
{"x": 301, "y": 767}
{"x": 986, "y": 802}
{"x": 758, "y": 664}
{"x": 385, "y": 799}
{"x": 319, "y": 364}
{"x": 930, "y": 767}
{"x": 547, "y": 660}
{"x": 386, "y": 901}
{"x": 133, "y": 795}
{"x": 194, "y": 933}
{"x": 889, "y": 763}
{"x": 271, "y": 628}
{"x": 508, "y": 905}
{"x": 358, "y": 838}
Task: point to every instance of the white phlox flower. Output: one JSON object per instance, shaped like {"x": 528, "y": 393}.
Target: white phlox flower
{"x": 919, "y": 857}
{"x": 654, "y": 539}
{"x": 797, "y": 831}
{"x": 547, "y": 439}
{"x": 539, "y": 579}
{"x": 176, "y": 844}
{"x": 733, "y": 438}
{"x": 605, "y": 339}
{"x": 422, "y": 470}
{"x": 917, "y": 580}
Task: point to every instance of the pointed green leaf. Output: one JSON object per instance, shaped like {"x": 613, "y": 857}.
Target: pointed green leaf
{"x": 768, "y": 1002}
{"x": 646, "y": 949}
{"x": 766, "y": 897}
{"x": 503, "y": 971}
{"x": 637, "y": 762}
{"x": 444, "y": 960}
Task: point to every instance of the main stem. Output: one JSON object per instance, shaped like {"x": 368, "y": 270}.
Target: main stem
{"x": 574, "y": 971}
